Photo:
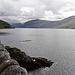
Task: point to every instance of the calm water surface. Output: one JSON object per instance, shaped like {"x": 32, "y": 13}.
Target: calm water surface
{"x": 57, "y": 45}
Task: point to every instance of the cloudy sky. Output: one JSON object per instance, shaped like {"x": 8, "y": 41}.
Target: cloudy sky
{"x": 24, "y": 10}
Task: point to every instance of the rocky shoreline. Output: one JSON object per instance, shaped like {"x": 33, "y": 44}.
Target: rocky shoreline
{"x": 25, "y": 61}
{"x": 15, "y": 62}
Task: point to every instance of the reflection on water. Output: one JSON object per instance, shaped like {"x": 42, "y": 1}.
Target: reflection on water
{"x": 57, "y": 45}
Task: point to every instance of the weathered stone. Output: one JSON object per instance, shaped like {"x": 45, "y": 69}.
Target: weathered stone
{"x": 9, "y": 66}
{"x": 14, "y": 70}
{"x": 6, "y": 64}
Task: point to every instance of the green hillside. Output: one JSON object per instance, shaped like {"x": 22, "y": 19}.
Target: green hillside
{"x": 4, "y": 24}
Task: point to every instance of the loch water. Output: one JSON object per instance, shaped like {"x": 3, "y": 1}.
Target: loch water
{"x": 57, "y": 45}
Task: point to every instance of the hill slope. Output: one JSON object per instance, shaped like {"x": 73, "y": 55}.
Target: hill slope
{"x": 68, "y": 25}
{"x": 4, "y": 24}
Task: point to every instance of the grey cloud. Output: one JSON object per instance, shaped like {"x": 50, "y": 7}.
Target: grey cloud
{"x": 33, "y": 9}
{"x": 16, "y": 0}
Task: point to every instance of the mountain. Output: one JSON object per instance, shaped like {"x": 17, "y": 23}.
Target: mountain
{"x": 65, "y": 23}
{"x": 37, "y": 24}
{"x": 17, "y": 25}
{"x": 4, "y": 24}
{"x": 40, "y": 24}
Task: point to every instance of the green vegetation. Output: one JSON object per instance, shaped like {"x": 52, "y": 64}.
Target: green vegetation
{"x": 4, "y": 24}
{"x": 16, "y": 50}
{"x": 7, "y": 48}
{"x": 12, "y": 50}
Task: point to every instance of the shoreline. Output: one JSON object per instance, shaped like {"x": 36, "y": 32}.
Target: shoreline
{"x": 26, "y": 61}
{"x": 9, "y": 66}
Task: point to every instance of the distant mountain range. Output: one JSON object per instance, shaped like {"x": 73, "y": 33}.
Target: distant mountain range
{"x": 4, "y": 24}
{"x": 65, "y": 23}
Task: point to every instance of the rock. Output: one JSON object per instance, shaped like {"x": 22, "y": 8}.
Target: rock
{"x": 9, "y": 66}
{"x": 30, "y": 63}
{"x": 14, "y": 70}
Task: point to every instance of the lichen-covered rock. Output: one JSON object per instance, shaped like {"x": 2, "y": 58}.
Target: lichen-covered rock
{"x": 9, "y": 66}
{"x": 30, "y": 63}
